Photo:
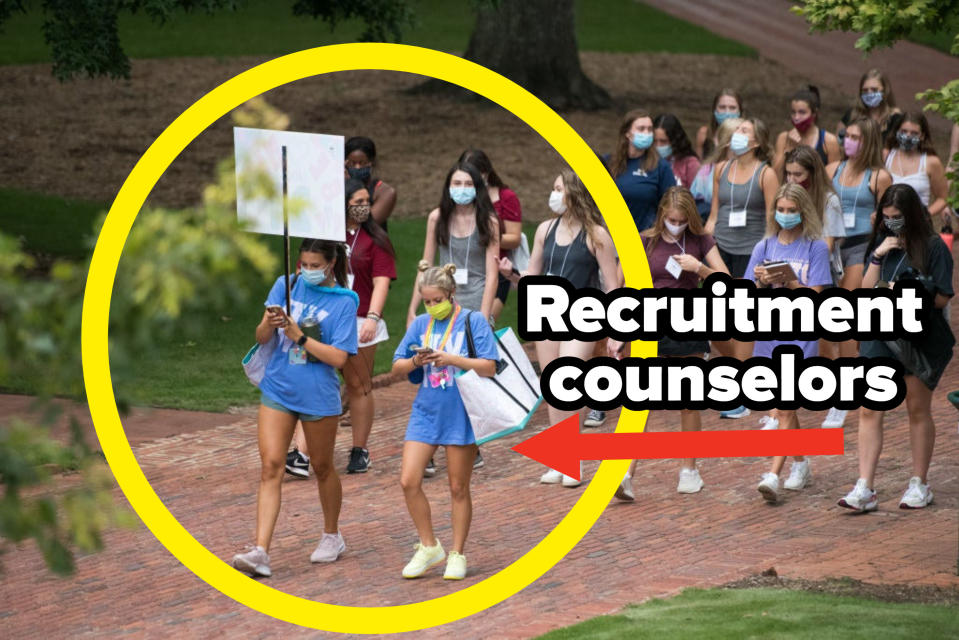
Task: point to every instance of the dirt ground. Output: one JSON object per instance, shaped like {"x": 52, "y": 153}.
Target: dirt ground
{"x": 853, "y": 588}
{"x": 82, "y": 138}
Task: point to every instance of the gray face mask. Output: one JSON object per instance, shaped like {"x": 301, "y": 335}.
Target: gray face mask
{"x": 895, "y": 225}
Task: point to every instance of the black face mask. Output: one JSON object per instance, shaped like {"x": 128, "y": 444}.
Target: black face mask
{"x": 361, "y": 173}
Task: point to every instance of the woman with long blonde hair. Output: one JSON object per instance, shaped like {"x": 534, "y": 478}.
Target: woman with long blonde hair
{"x": 793, "y": 237}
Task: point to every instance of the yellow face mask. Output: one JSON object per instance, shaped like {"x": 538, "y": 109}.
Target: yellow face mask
{"x": 440, "y": 310}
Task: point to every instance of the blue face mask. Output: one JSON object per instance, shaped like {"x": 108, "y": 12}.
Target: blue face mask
{"x": 642, "y": 141}
{"x": 664, "y": 151}
{"x": 871, "y": 100}
{"x": 788, "y": 220}
{"x": 723, "y": 116}
{"x": 463, "y": 195}
{"x": 739, "y": 143}
{"x": 315, "y": 277}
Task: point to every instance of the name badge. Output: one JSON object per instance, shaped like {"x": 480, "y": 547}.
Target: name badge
{"x": 849, "y": 219}
{"x": 297, "y": 354}
{"x": 737, "y": 218}
{"x": 672, "y": 266}
{"x": 461, "y": 276}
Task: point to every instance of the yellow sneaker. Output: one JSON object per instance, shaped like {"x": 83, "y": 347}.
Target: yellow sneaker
{"x": 455, "y": 566}
{"x": 423, "y": 559}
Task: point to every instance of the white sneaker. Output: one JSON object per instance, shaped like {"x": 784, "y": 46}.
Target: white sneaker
{"x": 551, "y": 477}
{"x": 625, "y": 490}
{"x": 861, "y": 498}
{"x": 570, "y": 481}
{"x": 423, "y": 559}
{"x": 799, "y": 475}
{"x": 255, "y": 562}
{"x": 594, "y": 418}
{"x": 834, "y": 419}
{"x": 455, "y": 566}
{"x": 768, "y": 423}
{"x": 769, "y": 487}
{"x": 917, "y": 496}
{"x": 330, "y": 547}
{"x": 689, "y": 481}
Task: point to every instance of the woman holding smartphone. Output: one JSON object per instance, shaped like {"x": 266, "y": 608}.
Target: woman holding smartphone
{"x": 300, "y": 383}
{"x": 434, "y": 349}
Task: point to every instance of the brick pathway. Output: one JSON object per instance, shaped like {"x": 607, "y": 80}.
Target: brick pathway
{"x": 654, "y": 547}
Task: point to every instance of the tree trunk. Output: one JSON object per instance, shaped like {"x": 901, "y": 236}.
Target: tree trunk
{"x": 533, "y": 43}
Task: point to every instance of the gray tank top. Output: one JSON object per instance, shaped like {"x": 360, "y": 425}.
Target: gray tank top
{"x": 470, "y": 256}
{"x": 740, "y": 240}
{"x": 572, "y": 261}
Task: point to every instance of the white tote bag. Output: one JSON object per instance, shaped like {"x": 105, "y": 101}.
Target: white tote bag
{"x": 503, "y": 404}
{"x": 257, "y": 358}
{"x": 520, "y": 255}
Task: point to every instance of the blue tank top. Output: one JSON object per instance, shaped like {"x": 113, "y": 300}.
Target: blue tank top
{"x": 858, "y": 200}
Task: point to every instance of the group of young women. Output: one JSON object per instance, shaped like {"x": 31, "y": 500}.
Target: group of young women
{"x": 851, "y": 209}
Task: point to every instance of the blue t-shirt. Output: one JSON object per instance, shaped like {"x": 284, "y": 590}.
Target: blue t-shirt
{"x": 642, "y": 191}
{"x": 810, "y": 261}
{"x": 438, "y": 415}
{"x": 311, "y": 388}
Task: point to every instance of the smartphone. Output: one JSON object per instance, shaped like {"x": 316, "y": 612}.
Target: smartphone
{"x": 421, "y": 350}
{"x": 275, "y": 308}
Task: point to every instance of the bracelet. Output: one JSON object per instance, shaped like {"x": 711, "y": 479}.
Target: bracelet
{"x": 372, "y": 315}
{"x": 875, "y": 260}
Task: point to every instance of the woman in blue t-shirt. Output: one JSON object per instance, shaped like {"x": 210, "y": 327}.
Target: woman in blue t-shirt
{"x": 434, "y": 349}
{"x": 794, "y": 237}
{"x": 300, "y": 383}
{"x": 640, "y": 173}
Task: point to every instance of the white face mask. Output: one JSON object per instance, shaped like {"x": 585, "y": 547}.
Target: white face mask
{"x": 675, "y": 229}
{"x": 556, "y": 202}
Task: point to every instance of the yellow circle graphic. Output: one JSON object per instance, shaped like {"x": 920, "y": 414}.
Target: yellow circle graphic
{"x": 96, "y": 306}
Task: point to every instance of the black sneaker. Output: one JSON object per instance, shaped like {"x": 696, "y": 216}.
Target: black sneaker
{"x": 297, "y": 464}
{"x": 430, "y": 469}
{"x": 478, "y": 462}
{"x": 359, "y": 460}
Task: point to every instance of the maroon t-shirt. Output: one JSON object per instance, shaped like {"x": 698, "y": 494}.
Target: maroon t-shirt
{"x": 367, "y": 261}
{"x": 507, "y": 208}
{"x": 696, "y": 246}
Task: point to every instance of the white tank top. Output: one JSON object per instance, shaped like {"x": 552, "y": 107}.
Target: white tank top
{"x": 918, "y": 180}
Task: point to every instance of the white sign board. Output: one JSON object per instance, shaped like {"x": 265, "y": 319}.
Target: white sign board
{"x": 314, "y": 175}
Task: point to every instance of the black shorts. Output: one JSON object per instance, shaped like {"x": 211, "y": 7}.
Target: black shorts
{"x": 672, "y": 347}
{"x": 502, "y": 289}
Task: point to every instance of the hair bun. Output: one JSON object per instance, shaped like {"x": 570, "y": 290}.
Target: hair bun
{"x": 449, "y": 269}
{"x": 422, "y": 265}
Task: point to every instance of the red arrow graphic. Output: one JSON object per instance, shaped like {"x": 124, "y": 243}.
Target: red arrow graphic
{"x": 562, "y": 446}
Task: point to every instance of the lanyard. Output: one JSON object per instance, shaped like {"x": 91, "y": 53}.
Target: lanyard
{"x": 842, "y": 189}
{"x": 562, "y": 268}
{"x": 749, "y": 189}
{"x": 469, "y": 241}
{"x": 895, "y": 272}
{"x": 356, "y": 237}
{"x": 446, "y": 334}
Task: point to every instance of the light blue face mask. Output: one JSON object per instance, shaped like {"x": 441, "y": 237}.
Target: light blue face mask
{"x": 739, "y": 143}
{"x": 871, "y": 100}
{"x": 315, "y": 277}
{"x": 664, "y": 151}
{"x": 463, "y": 195}
{"x": 723, "y": 116}
{"x": 788, "y": 220}
{"x": 642, "y": 141}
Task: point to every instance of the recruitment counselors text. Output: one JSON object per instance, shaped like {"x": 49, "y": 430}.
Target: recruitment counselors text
{"x": 551, "y": 309}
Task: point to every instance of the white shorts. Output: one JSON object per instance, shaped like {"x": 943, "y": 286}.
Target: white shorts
{"x": 381, "y": 334}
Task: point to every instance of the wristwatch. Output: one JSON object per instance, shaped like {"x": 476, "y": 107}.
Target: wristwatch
{"x": 302, "y": 340}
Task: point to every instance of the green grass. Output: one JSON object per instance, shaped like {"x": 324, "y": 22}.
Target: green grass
{"x": 719, "y": 614}
{"x": 265, "y": 27}
{"x": 48, "y": 224}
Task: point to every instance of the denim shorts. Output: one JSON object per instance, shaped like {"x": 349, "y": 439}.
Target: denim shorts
{"x": 303, "y": 417}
